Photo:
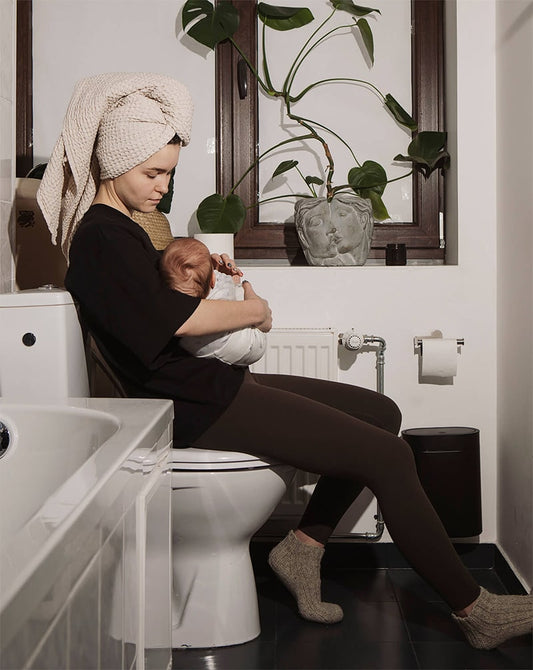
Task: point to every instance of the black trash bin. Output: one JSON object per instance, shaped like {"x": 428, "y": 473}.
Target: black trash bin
{"x": 447, "y": 460}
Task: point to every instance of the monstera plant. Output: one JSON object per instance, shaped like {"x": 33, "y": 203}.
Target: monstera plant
{"x": 209, "y": 25}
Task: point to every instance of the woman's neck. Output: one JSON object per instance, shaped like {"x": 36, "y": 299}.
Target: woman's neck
{"x": 105, "y": 195}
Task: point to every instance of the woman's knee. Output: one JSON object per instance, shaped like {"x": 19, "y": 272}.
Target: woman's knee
{"x": 392, "y": 415}
{"x": 397, "y": 460}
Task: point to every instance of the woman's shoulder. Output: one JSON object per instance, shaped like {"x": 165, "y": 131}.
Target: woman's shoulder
{"x": 100, "y": 215}
{"x": 107, "y": 223}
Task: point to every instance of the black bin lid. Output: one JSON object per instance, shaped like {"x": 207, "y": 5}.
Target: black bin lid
{"x": 431, "y": 432}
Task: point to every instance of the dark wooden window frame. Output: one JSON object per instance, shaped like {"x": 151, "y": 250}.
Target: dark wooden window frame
{"x": 237, "y": 138}
{"x": 24, "y": 95}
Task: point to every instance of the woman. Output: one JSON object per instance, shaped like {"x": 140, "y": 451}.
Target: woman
{"x": 121, "y": 140}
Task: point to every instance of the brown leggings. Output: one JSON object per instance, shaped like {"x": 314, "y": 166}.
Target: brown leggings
{"x": 349, "y": 436}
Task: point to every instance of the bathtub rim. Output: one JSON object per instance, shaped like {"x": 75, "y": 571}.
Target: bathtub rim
{"x": 141, "y": 420}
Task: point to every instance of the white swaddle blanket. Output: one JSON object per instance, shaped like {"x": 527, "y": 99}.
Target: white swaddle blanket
{"x": 238, "y": 347}
{"x": 114, "y": 122}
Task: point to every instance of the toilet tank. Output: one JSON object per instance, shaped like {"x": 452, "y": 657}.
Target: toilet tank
{"x": 42, "y": 357}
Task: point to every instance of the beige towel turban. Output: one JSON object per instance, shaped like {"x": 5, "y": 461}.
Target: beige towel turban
{"x": 114, "y": 122}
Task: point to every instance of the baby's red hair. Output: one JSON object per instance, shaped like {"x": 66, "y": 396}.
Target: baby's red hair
{"x": 186, "y": 266}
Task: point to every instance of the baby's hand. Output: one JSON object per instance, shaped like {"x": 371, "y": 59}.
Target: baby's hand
{"x": 223, "y": 263}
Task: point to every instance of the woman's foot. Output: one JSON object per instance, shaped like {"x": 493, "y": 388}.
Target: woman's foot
{"x": 298, "y": 566}
{"x": 495, "y": 619}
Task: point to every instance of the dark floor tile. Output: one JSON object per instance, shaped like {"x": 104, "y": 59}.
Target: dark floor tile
{"x": 356, "y": 556}
{"x": 363, "y": 622}
{"x": 430, "y": 622}
{"x": 254, "y": 655}
{"x": 268, "y": 594}
{"x": 393, "y": 619}
{"x": 323, "y": 653}
{"x": 490, "y": 580}
{"x": 476, "y": 556}
{"x": 408, "y": 585}
{"x": 461, "y": 656}
{"x": 366, "y": 585}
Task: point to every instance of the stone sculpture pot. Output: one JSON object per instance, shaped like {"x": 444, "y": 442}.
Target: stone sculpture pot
{"x": 337, "y": 232}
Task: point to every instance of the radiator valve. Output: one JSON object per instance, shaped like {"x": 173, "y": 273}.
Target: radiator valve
{"x": 351, "y": 340}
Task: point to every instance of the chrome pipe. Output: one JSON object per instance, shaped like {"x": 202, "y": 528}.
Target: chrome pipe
{"x": 353, "y": 342}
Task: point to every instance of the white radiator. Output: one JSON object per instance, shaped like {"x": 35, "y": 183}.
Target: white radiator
{"x": 309, "y": 353}
{"x": 297, "y": 351}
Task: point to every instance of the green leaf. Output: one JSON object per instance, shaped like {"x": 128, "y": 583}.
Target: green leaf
{"x": 369, "y": 181}
{"x": 166, "y": 201}
{"x": 427, "y": 152}
{"x": 368, "y": 39}
{"x": 399, "y": 113}
{"x": 370, "y": 175}
{"x": 218, "y": 23}
{"x": 314, "y": 180}
{"x": 284, "y": 18}
{"x": 378, "y": 206}
{"x": 283, "y": 167}
{"x": 349, "y": 6}
{"x": 216, "y": 214}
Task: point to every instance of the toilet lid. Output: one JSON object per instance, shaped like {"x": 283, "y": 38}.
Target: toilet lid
{"x": 211, "y": 459}
{"x": 36, "y": 297}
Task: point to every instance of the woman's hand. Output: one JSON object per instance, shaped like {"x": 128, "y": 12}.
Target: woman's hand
{"x": 249, "y": 294}
{"x": 223, "y": 263}
{"x": 219, "y": 316}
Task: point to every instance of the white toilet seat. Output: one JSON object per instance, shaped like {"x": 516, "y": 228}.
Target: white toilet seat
{"x": 191, "y": 458}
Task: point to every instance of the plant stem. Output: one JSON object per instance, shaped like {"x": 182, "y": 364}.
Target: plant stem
{"x": 320, "y": 125}
{"x": 313, "y": 46}
{"x": 264, "y": 86}
{"x": 309, "y": 186}
{"x": 337, "y": 189}
{"x": 331, "y": 165}
{"x": 265, "y": 63}
{"x": 295, "y": 65}
{"x": 261, "y": 156}
{"x": 326, "y": 81}
{"x": 280, "y": 197}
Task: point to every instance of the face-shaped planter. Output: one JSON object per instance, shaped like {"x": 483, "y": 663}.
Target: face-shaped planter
{"x": 337, "y": 232}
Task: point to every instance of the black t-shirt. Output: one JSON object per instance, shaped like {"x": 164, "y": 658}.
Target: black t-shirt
{"x": 113, "y": 275}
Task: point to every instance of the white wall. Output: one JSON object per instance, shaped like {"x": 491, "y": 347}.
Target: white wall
{"x": 77, "y": 38}
{"x": 7, "y": 137}
{"x": 73, "y": 39}
{"x": 514, "y": 40}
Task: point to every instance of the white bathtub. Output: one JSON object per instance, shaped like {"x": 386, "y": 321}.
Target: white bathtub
{"x": 77, "y": 482}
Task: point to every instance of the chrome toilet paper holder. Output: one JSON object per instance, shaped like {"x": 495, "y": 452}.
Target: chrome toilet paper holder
{"x": 418, "y": 342}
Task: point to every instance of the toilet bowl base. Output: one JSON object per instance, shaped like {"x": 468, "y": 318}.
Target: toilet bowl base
{"x": 218, "y": 599}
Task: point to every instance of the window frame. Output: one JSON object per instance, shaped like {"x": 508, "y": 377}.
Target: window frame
{"x": 237, "y": 141}
{"x": 24, "y": 89}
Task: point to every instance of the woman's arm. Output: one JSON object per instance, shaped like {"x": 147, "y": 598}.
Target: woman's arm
{"x": 217, "y": 316}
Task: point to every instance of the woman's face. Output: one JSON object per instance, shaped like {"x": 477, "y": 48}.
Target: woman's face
{"x": 141, "y": 188}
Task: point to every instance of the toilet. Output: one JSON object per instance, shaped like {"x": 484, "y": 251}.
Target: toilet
{"x": 219, "y": 499}
{"x": 42, "y": 356}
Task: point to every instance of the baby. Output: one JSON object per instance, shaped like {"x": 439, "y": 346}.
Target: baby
{"x": 186, "y": 266}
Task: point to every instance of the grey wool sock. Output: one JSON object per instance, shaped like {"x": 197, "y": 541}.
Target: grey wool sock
{"x": 496, "y": 618}
{"x": 298, "y": 566}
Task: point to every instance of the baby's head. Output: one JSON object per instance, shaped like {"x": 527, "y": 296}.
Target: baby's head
{"x": 186, "y": 266}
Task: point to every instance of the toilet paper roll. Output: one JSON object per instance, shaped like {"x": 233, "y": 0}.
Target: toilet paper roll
{"x": 439, "y": 357}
